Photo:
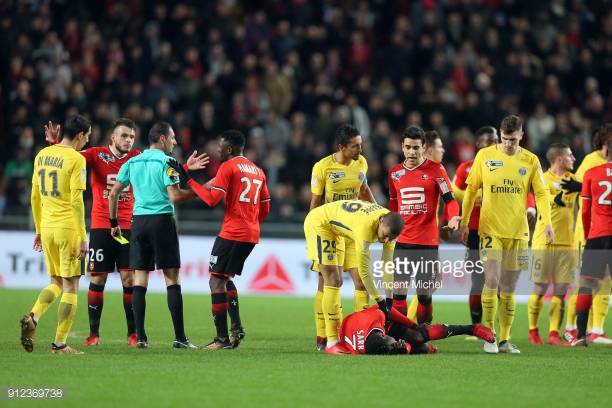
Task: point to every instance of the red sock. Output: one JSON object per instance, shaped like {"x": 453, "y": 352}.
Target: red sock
{"x": 583, "y": 303}
{"x": 424, "y": 313}
{"x": 437, "y": 331}
{"x": 401, "y": 306}
{"x": 219, "y": 311}
{"x": 475, "y": 303}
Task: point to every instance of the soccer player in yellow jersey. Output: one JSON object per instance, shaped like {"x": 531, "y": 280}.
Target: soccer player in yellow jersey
{"x": 602, "y": 298}
{"x": 358, "y": 223}
{"x": 58, "y": 183}
{"x": 341, "y": 176}
{"x": 506, "y": 173}
{"x": 554, "y": 263}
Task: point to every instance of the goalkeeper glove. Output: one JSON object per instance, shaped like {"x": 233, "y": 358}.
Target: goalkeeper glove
{"x": 571, "y": 186}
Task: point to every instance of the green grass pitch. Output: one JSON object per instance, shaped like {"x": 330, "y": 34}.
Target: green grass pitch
{"x": 276, "y": 364}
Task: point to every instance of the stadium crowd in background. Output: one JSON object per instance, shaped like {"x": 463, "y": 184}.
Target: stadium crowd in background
{"x": 287, "y": 73}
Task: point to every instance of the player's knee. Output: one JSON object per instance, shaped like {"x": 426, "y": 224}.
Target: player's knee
{"x": 127, "y": 279}
{"x": 99, "y": 279}
{"x": 217, "y": 284}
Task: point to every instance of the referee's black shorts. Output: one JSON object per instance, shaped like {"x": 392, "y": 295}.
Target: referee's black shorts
{"x": 154, "y": 243}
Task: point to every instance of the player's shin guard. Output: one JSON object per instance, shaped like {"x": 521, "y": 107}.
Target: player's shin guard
{"x": 413, "y": 308}
{"x": 555, "y": 313}
{"x": 45, "y": 298}
{"x": 399, "y": 302}
{"x": 583, "y": 305}
{"x": 489, "y": 307}
{"x": 361, "y": 300}
{"x": 175, "y": 305}
{"x": 65, "y": 317}
{"x": 219, "y": 312}
{"x": 95, "y": 303}
{"x": 331, "y": 312}
{"x": 318, "y": 314}
{"x": 233, "y": 308}
{"x": 128, "y": 292}
{"x": 534, "y": 306}
{"x": 139, "y": 304}
{"x": 475, "y": 308}
{"x": 424, "y": 309}
{"x": 570, "y": 319}
{"x": 507, "y": 307}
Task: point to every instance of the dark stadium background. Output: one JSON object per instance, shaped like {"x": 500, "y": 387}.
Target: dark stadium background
{"x": 288, "y": 72}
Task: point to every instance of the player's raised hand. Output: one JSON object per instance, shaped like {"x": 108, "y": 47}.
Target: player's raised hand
{"x": 195, "y": 162}
{"x": 82, "y": 250}
{"x": 52, "y": 133}
{"x": 550, "y": 234}
{"x": 37, "y": 243}
{"x": 464, "y": 231}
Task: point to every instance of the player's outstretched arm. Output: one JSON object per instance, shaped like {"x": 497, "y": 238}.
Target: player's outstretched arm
{"x": 35, "y": 202}
{"x": 178, "y": 195}
{"x": 211, "y": 197}
{"x": 315, "y": 201}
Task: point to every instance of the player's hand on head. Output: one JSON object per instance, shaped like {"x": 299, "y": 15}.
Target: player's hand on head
{"x": 52, "y": 132}
{"x": 195, "y": 162}
{"x": 37, "y": 243}
{"x": 571, "y": 186}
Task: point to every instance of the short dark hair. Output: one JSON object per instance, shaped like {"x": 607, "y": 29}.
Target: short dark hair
{"x": 157, "y": 130}
{"x": 234, "y": 138}
{"x": 485, "y": 130}
{"x": 554, "y": 151}
{"x": 75, "y": 125}
{"x": 344, "y": 133}
{"x": 601, "y": 135}
{"x": 430, "y": 137}
{"x": 414, "y": 133}
{"x": 375, "y": 343}
{"x": 395, "y": 222}
{"x": 511, "y": 124}
{"x": 127, "y": 122}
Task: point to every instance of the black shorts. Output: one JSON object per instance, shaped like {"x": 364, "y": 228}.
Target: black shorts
{"x": 228, "y": 257}
{"x": 154, "y": 243}
{"x": 425, "y": 256}
{"x": 106, "y": 254}
{"x": 473, "y": 255}
{"x": 597, "y": 257}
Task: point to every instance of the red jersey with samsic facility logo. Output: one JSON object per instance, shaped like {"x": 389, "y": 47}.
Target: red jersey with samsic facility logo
{"x": 104, "y": 167}
{"x": 415, "y": 193}
{"x": 597, "y": 186}
{"x": 357, "y": 327}
{"x": 245, "y": 187}
{"x": 461, "y": 175}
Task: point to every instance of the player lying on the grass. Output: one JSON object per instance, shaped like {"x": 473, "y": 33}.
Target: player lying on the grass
{"x": 368, "y": 332}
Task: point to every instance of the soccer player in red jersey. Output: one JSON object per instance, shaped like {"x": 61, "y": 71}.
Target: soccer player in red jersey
{"x": 597, "y": 222}
{"x": 415, "y": 187}
{"x": 366, "y": 332}
{"x": 247, "y": 203}
{"x": 485, "y": 136}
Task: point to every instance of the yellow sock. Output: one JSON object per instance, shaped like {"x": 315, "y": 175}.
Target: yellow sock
{"x": 362, "y": 300}
{"x": 590, "y": 321}
{"x": 45, "y": 298}
{"x": 570, "y": 319}
{"x": 555, "y": 313}
{"x": 507, "y": 306}
{"x": 331, "y": 312}
{"x": 412, "y": 308}
{"x": 65, "y": 316}
{"x": 318, "y": 314}
{"x": 534, "y": 305}
{"x": 600, "y": 311}
{"x": 489, "y": 307}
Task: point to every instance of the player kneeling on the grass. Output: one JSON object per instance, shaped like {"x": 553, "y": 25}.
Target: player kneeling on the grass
{"x": 597, "y": 222}
{"x": 154, "y": 238}
{"x": 247, "y": 203}
{"x": 58, "y": 182}
{"x": 369, "y": 332}
{"x": 361, "y": 223}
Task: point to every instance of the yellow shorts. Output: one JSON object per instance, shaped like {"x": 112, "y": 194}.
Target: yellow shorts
{"x": 553, "y": 264}
{"x": 512, "y": 253}
{"x": 61, "y": 248}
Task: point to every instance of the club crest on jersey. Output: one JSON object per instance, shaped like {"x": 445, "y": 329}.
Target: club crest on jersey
{"x": 424, "y": 177}
{"x": 336, "y": 176}
{"x": 522, "y": 171}
{"x": 105, "y": 157}
{"x": 361, "y": 177}
{"x": 494, "y": 164}
{"x": 397, "y": 174}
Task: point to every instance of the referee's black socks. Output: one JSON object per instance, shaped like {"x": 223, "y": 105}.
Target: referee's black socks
{"x": 175, "y": 304}
{"x": 139, "y": 304}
